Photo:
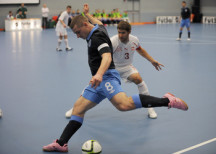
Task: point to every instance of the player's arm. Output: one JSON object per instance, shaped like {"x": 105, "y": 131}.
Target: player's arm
{"x": 62, "y": 22}
{"x": 145, "y": 54}
{"x": 105, "y": 63}
{"x": 190, "y": 15}
{"x": 90, "y": 18}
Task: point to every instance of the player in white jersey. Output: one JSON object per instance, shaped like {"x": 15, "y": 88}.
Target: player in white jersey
{"x": 61, "y": 28}
{"x": 124, "y": 47}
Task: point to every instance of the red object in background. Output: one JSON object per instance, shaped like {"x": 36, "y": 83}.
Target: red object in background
{"x": 55, "y": 18}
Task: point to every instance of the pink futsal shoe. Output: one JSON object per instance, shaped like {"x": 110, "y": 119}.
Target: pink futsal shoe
{"x": 55, "y": 147}
{"x": 176, "y": 102}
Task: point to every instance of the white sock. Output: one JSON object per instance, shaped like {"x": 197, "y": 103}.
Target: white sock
{"x": 59, "y": 43}
{"x": 66, "y": 43}
{"x": 143, "y": 89}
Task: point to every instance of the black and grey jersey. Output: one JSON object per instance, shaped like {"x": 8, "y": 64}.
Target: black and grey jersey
{"x": 98, "y": 43}
{"x": 185, "y": 13}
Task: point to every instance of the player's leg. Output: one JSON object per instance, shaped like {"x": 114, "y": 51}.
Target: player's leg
{"x": 68, "y": 114}
{"x": 124, "y": 103}
{"x": 59, "y": 43}
{"x": 188, "y": 29}
{"x": 180, "y": 34}
{"x": 137, "y": 79}
{"x": 80, "y": 107}
{"x": 111, "y": 86}
{"x": 90, "y": 98}
{"x": 181, "y": 28}
{"x": 68, "y": 48}
{"x": 143, "y": 89}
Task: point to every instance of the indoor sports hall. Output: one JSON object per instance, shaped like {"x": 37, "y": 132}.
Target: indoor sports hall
{"x": 39, "y": 84}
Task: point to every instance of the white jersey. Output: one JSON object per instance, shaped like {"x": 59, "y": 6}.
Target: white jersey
{"x": 60, "y": 29}
{"x": 64, "y": 17}
{"x": 123, "y": 53}
{"x": 45, "y": 12}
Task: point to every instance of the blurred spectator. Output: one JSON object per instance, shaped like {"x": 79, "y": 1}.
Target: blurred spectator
{"x": 10, "y": 15}
{"x": 112, "y": 18}
{"x": 117, "y": 15}
{"x": 20, "y": 15}
{"x": 125, "y": 16}
{"x": 73, "y": 14}
{"x": 78, "y": 12}
{"x": 45, "y": 11}
{"x": 104, "y": 18}
{"x": 23, "y": 9}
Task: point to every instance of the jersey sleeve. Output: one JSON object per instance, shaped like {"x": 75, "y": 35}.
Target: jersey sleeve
{"x": 62, "y": 16}
{"x": 189, "y": 11}
{"x": 114, "y": 42}
{"x": 102, "y": 44}
{"x": 136, "y": 41}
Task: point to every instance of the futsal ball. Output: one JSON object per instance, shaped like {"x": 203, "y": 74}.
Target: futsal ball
{"x": 91, "y": 147}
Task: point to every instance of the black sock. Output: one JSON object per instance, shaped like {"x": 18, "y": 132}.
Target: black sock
{"x": 188, "y": 34}
{"x": 150, "y": 101}
{"x": 180, "y": 33}
{"x": 69, "y": 130}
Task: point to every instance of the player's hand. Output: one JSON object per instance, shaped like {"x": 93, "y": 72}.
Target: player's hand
{"x": 65, "y": 26}
{"x": 96, "y": 80}
{"x": 157, "y": 65}
{"x": 85, "y": 8}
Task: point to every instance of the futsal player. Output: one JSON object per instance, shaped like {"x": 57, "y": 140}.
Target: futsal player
{"x": 61, "y": 30}
{"x": 105, "y": 81}
{"x": 124, "y": 45}
{"x": 185, "y": 20}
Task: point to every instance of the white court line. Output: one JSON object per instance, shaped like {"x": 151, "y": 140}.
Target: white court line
{"x": 171, "y": 35}
{"x": 171, "y": 38}
{"x": 177, "y": 42}
{"x": 195, "y": 146}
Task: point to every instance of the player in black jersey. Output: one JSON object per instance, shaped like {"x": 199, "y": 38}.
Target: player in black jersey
{"x": 185, "y": 20}
{"x": 105, "y": 82}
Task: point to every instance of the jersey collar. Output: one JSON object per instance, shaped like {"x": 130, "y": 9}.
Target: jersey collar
{"x": 92, "y": 31}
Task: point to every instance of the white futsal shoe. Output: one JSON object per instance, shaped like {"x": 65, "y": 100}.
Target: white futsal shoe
{"x": 178, "y": 39}
{"x": 151, "y": 113}
{"x": 1, "y": 113}
{"x": 68, "y": 49}
{"x": 188, "y": 39}
{"x": 58, "y": 49}
{"x": 68, "y": 114}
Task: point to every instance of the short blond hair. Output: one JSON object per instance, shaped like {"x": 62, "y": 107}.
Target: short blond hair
{"x": 78, "y": 20}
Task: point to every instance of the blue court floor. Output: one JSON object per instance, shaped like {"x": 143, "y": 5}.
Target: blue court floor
{"x": 38, "y": 85}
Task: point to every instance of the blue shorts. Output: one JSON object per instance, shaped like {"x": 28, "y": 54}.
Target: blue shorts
{"x": 109, "y": 87}
{"x": 185, "y": 22}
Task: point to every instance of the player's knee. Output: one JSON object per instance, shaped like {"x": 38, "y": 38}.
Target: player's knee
{"x": 123, "y": 107}
{"x": 137, "y": 80}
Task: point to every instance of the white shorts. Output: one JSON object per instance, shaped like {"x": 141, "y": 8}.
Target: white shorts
{"x": 60, "y": 30}
{"x": 126, "y": 71}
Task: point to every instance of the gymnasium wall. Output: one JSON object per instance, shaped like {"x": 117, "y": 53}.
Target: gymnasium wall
{"x": 149, "y": 8}
{"x": 208, "y": 7}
